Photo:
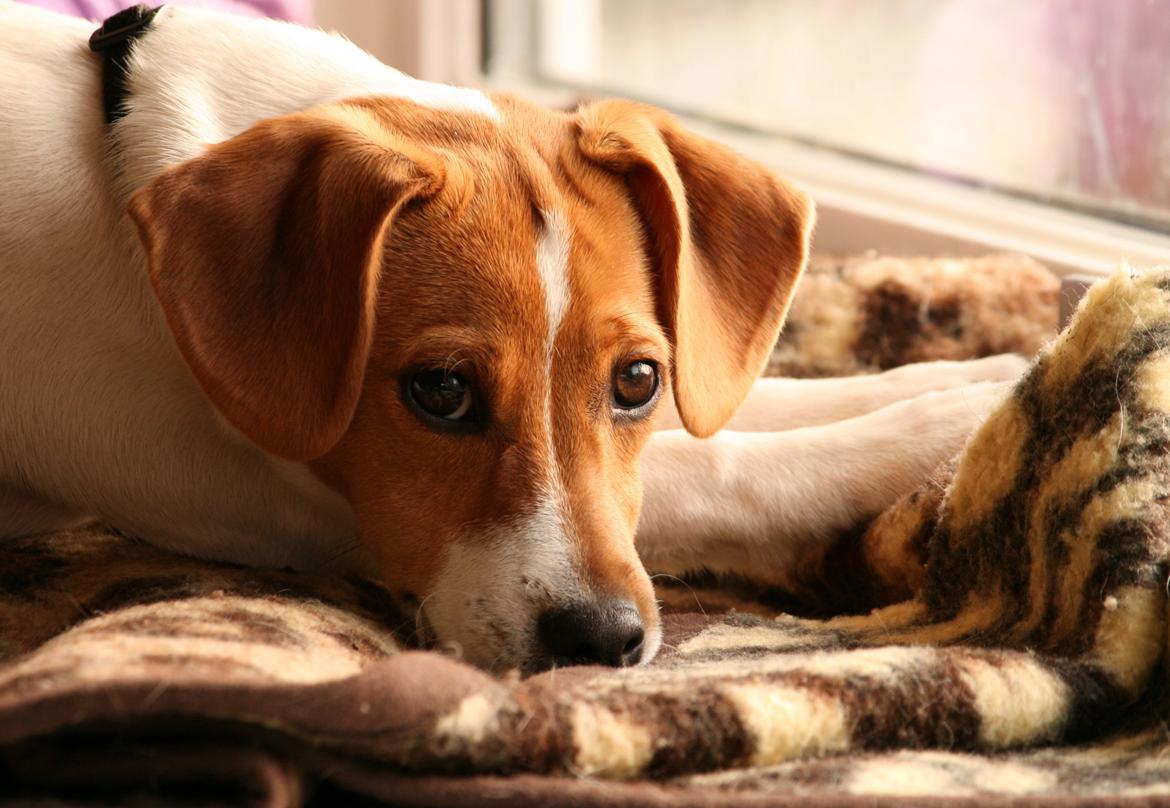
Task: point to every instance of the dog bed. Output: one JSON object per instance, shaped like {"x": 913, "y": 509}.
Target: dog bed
{"x": 1020, "y": 656}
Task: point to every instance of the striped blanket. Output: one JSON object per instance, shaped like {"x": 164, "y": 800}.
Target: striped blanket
{"x": 1020, "y": 651}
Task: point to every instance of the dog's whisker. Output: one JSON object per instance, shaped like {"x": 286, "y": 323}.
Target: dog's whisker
{"x": 346, "y": 550}
{"x": 422, "y": 628}
{"x": 690, "y": 588}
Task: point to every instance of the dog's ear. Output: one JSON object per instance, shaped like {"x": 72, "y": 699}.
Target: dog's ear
{"x": 728, "y": 242}
{"x": 264, "y": 253}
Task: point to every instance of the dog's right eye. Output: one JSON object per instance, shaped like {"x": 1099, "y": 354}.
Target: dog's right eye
{"x": 442, "y": 394}
{"x": 635, "y": 387}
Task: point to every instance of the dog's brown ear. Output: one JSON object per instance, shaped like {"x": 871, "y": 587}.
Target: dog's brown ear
{"x": 264, "y": 253}
{"x": 728, "y": 241}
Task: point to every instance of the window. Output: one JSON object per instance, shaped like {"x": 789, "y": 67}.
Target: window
{"x": 1064, "y": 102}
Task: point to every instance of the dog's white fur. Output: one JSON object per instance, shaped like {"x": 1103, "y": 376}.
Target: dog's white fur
{"x": 89, "y": 371}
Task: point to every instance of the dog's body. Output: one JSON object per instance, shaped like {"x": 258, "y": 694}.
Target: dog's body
{"x": 112, "y": 405}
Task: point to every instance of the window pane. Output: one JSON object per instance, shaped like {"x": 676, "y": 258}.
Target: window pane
{"x": 1063, "y": 100}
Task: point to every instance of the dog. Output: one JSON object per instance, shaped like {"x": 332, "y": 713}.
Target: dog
{"x": 275, "y": 303}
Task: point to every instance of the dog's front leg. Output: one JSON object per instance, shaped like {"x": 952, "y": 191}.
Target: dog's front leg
{"x": 758, "y": 504}
{"x": 776, "y": 404}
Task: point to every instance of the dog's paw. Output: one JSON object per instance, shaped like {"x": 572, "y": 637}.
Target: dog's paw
{"x": 912, "y": 438}
{"x": 943, "y": 375}
{"x": 1006, "y": 367}
{"x": 946, "y": 418}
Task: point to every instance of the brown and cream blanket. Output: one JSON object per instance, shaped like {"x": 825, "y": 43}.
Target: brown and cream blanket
{"x": 1020, "y": 654}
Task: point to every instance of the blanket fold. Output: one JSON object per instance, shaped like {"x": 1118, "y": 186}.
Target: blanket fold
{"x": 1027, "y": 634}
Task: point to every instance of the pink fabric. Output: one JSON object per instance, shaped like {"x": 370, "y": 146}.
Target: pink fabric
{"x": 292, "y": 10}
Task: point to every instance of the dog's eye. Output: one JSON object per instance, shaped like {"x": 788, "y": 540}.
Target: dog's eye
{"x": 635, "y": 385}
{"x": 441, "y": 394}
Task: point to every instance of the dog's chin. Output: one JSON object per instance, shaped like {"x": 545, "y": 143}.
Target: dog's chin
{"x": 490, "y": 647}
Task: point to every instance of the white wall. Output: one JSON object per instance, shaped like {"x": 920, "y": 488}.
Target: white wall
{"x": 436, "y": 40}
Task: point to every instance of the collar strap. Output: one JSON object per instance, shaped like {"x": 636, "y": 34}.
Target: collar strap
{"x": 112, "y": 42}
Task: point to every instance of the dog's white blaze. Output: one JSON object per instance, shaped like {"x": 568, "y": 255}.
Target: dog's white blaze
{"x": 550, "y": 525}
{"x": 552, "y": 262}
{"x": 552, "y": 265}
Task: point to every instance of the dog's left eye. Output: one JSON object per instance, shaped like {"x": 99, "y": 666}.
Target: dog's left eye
{"x": 441, "y": 394}
{"x": 635, "y": 385}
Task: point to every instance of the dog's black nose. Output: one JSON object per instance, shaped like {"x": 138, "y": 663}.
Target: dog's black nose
{"x": 607, "y": 633}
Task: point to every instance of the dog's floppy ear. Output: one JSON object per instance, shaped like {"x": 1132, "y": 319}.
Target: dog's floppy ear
{"x": 728, "y": 241}
{"x": 264, "y": 253}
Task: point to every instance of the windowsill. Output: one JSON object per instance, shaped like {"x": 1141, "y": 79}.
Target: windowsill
{"x": 865, "y": 206}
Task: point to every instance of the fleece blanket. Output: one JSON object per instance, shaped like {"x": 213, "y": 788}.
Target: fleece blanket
{"x": 1020, "y": 654}
{"x": 870, "y": 312}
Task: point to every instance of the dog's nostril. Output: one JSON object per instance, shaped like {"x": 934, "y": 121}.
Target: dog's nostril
{"x": 633, "y": 650}
{"x": 608, "y": 633}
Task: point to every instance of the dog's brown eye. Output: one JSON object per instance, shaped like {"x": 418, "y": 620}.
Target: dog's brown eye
{"x": 635, "y": 385}
{"x": 440, "y": 393}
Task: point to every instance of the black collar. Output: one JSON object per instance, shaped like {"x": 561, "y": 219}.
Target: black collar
{"x": 112, "y": 42}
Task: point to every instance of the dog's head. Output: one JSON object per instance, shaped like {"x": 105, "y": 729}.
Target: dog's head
{"x": 465, "y": 325}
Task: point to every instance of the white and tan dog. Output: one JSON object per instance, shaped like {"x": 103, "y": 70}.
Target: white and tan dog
{"x": 295, "y": 308}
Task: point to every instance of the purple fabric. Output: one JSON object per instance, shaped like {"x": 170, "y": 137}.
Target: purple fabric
{"x": 292, "y": 10}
